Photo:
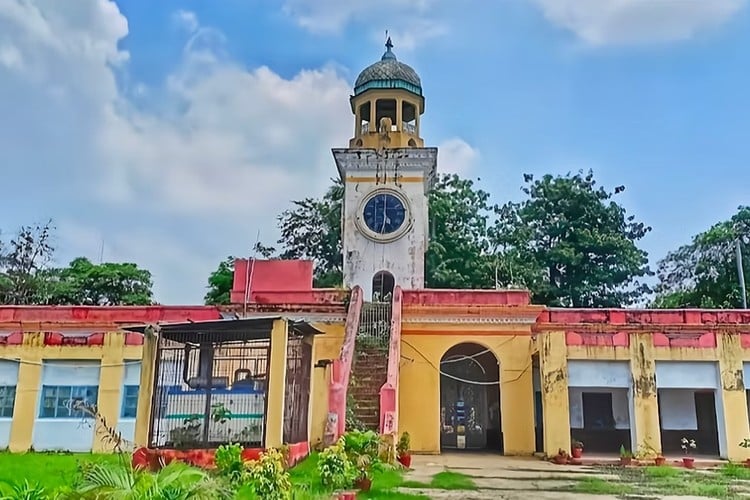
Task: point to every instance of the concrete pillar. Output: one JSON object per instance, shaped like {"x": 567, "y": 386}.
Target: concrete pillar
{"x": 553, "y": 365}
{"x": 733, "y": 395}
{"x": 146, "y": 389}
{"x": 25, "y": 409}
{"x": 517, "y": 399}
{"x": 645, "y": 404}
{"x": 110, "y": 387}
{"x": 276, "y": 385}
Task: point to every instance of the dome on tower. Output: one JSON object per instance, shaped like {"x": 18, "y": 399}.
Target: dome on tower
{"x": 388, "y": 73}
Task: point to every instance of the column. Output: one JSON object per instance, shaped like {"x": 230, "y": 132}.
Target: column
{"x": 517, "y": 398}
{"x": 399, "y": 115}
{"x": 110, "y": 387}
{"x": 733, "y": 395}
{"x": 146, "y": 389}
{"x": 553, "y": 367}
{"x": 645, "y": 404}
{"x": 25, "y": 409}
{"x": 276, "y": 386}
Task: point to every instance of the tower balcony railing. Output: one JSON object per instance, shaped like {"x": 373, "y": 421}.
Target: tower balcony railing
{"x": 365, "y": 128}
{"x": 409, "y": 128}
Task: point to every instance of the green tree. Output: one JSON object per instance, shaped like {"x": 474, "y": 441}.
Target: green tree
{"x": 109, "y": 283}
{"x": 220, "y": 283}
{"x": 311, "y": 230}
{"x": 571, "y": 244}
{"x": 24, "y": 261}
{"x": 704, "y": 272}
{"x": 458, "y": 255}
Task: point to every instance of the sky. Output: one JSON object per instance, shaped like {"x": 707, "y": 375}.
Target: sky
{"x": 171, "y": 133}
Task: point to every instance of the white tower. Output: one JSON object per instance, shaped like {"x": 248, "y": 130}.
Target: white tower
{"x": 387, "y": 174}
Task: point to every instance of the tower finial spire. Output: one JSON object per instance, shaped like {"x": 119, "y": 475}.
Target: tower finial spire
{"x": 388, "y": 46}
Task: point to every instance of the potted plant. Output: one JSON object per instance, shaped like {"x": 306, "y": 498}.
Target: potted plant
{"x": 660, "y": 460}
{"x": 746, "y": 444}
{"x": 402, "y": 450}
{"x": 362, "y": 450}
{"x": 687, "y": 446}
{"x": 626, "y": 456}
{"x": 577, "y": 449}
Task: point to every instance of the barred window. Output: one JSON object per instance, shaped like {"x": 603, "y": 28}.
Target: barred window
{"x": 58, "y": 401}
{"x": 7, "y": 400}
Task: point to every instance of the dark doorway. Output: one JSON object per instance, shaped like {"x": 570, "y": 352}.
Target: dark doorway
{"x": 600, "y": 433}
{"x": 382, "y": 286}
{"x": 470, "y": 412}
{"x": 706, "y": 433}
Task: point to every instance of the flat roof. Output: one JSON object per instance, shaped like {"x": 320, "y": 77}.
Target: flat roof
{"x": 235, "y": 329}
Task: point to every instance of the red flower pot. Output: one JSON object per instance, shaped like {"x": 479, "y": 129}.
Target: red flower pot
{"x": 747, "y": 462}
{"x": 404, "y": 460}
{"x": 560, "y": 459}
{"x": 577, "y": 452}
{"x": 363, "y": 483}
{"x": 626, "y": 460}
{"x": 688, "y": 462}
{"x": 660, "y": 461}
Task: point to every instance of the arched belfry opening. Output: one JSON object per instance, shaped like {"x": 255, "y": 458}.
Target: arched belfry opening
{"x": 470, "y": 417}
{"x": 382, "y": 286}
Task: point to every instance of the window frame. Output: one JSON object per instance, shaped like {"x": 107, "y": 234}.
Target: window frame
{"x": 59, "y": 409}
{"x": 129, "y": 397}
{"x": 8, "y": 391}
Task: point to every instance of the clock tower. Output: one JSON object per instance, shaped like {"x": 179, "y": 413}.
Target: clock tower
{"x": 387, "y": 174}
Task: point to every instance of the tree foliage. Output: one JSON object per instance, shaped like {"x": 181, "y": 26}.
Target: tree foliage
{"x": 703, "y": 273}
{"x": 26, "y": 275}
{"x": 220, "y": 283}
{"x": 571, "y": 244}
{"x": 106, "y": 284}
{"x": 568, "y": 242}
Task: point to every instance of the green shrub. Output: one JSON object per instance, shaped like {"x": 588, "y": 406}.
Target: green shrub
{"x": 229, "y": 462}
{"x": 268, "y": 477}
{"x": 23, "y": 491}
{"x": 334, "y": 467}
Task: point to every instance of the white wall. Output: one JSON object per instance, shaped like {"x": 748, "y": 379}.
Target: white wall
{"x": 72, "y": 434}
{"x": 403, "y": 258}
{"x": 687, "y": 375}
{"x": 677, "y": 408}
{"x": 132, "y": 376}
{"x": 8, "y": 376}
{"x": 620, "y": 406}
{"x": 599, "y": 374}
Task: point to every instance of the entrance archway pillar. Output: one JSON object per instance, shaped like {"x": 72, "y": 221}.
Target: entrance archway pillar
{"x": 553, "y": 367}
{"x": 517, "y": 398}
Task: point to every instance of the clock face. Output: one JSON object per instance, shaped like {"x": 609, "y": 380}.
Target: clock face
{"x": 384, "y": 213}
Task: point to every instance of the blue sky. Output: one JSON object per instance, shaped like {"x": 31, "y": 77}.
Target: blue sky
{"x": 170, "y": 133}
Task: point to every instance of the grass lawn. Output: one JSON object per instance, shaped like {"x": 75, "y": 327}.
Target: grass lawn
{"x": 50, "y": 470}
{"x": 726, "y": 482}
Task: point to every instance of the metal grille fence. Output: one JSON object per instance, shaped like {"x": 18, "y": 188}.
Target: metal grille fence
{"x": 297, "y": 391}
{"x": 208, "y": 392}
{"x": 375, "y": 325}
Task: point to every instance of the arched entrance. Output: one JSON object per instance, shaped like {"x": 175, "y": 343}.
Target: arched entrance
{"x": 470, "y": 399}
{"x": 382, "y": 286}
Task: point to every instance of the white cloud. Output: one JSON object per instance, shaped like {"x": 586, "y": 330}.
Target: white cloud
{"x": 605, "y": 22}
{"x": 186, "y": 20}
{"x": 172, "y": 177}
{"x": 456, "y": 156}
{"x": 410, "y": 22}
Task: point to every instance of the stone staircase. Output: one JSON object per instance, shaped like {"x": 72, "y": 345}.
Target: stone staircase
{"x": 369, "y": 367}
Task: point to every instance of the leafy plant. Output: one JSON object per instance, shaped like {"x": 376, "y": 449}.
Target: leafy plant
{"x": 23, "y": 491}
{"x": 687, "y": 445}
{"x": 189, "y": 433}
{"x": 403, "y": 444}
{"x": 362, "y": 449}
{"x": 335, "y": 469}
{"x": 268, "y": 477}
{"x": 577, "y": 444}
{"x": 625, "y": 453}
{"x": 176, "y": 481}
{"x": 229, "y": 462}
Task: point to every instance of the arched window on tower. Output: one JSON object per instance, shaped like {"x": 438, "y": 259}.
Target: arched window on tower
{"x": 386, "y": 108}
{"x": 382, "y": 286}
{"x": 364, "y": 118}
{"x": 409, "y": 117}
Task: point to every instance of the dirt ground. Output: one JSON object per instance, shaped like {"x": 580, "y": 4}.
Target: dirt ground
{"x": 512, "y": 478}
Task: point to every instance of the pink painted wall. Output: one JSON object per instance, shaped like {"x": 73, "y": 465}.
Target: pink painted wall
{"x": 389, "y": 391}
{"x": 466, "y": 297}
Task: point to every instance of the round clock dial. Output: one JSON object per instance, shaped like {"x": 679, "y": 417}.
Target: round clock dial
{"x": 384, "y": 213}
